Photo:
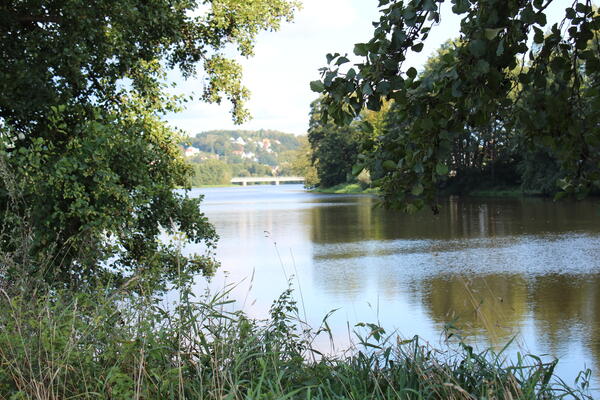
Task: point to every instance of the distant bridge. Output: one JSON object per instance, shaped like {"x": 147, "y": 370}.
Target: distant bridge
{"x": 267, "y": 179}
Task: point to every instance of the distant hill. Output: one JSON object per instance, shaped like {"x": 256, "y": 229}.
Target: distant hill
{"x": 221, "y": 154}
{"x": 263, "y": 146}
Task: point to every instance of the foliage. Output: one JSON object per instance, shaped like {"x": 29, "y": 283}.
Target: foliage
{"x": 86, "y": 159}
{"x": 116, "y": 346}
{"x": 211, "y": 172}
{"x": 346, "y": 188}
{"x": 335, "y": 149}
{"x": 300, "y": 163}
{"x": 540, "y": 171}
{"x": 483, "y": 87}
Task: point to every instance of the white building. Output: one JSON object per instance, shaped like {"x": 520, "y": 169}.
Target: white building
{"x": 191, "y": 151}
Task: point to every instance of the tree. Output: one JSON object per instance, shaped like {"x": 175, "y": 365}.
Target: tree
{"x": 299, "y": 163}
{"x": 485, "y": 73}
{"x": 211, "y": 172}
{"x": 479, "y": 155}
{"x": 88, "y": 166}
{"x": 334, "y": 148}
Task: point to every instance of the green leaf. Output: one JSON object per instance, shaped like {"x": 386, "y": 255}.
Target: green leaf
{"x": 500, "y": 49}
{"x": 398, "y": 38}
{"x": 357, "y": 169}
{"x": 478, "y": 47}
{"x": 412, "y": 73}
{"x": 456, "y": 91}
{"x": 528, "y": 15}
{"x": 582, "y": 8}
{"x": 417, "y": 47}
{"x": 540, "y": 18}
{"x": 417, "y": 189}
{"x": 361, "y": 49}
{"x": 342, "y": 60}
{"x": 389, "y": 165}
{"x": 317, "y": 86}
{"x": 482, "y": 67}
{"x": 592, "y": 66}
{"x": 411, "y": 208}
{"x": 491, "y": 33}
{"x": 383, "y": 88}
{"x": 461, "y": 6}
{"x": 441, "y": 169}
{"x": 329, "y": 76}
{"x": 539, "y": 35}
{"x": 429, "y": 5}
{"x": 374, "y": 103}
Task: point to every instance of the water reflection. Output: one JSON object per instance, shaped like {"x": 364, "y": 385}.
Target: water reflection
{"x": 498, "y": 268}
{"x": 491, "y": 305}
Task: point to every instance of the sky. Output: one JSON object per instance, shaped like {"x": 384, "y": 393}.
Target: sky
{"x": 285, "y": 62}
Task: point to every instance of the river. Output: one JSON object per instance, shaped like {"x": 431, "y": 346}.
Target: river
{"x": 527, "y": 269}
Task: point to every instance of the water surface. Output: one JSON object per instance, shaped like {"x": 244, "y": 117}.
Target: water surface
{"x": 527, "y": 269}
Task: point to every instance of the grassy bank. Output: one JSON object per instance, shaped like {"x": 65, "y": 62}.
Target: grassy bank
{"x": 346, "y": 188}
{"x": 118, "y": 346}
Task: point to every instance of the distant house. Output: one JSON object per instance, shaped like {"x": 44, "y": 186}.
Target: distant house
{"x": 249, "y": 156}
{"x": 191, "y": 152}
{"x": 238, "y": 153}
{"x": 239, "y": 141}
{"x": 266, "y": 144}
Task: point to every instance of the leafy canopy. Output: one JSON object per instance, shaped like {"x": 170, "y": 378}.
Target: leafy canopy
{"x": 88, "y": 167}
{"x": 546, "y": 92}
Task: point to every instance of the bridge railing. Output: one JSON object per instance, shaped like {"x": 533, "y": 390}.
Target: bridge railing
{"x": 267, "y": 179}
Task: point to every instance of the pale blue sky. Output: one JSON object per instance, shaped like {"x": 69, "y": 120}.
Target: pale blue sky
{"x": 286, "y": 61}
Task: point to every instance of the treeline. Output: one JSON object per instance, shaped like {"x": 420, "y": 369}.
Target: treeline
{"x": 217, "y": 156}
{"x": 480, "y": 157}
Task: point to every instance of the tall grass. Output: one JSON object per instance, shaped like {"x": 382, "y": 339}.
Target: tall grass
{"x": 118, "y": 345}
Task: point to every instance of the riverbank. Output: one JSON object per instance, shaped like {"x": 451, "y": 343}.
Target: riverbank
{"x": 67, "y": 345}
{"x": 354, "y": 188}
{"x": 346, "y": 188}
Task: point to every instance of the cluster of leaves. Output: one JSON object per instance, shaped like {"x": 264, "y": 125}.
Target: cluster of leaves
{"x": 494, "y": 82}
{"x": 85, "y": 156}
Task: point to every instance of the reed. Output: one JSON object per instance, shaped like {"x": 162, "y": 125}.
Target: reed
{"x": 120, "y": 345}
